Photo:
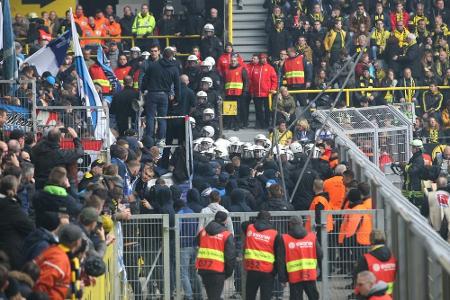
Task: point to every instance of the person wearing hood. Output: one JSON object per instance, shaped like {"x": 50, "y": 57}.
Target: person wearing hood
{"x": 297, "y": 260}
{"x": 193, "y": 200}
{"x": 369, "y": 288}
{"x": 216, "y": 255}
{"x": 260, "y": 247}
{"x": 159, "y": 79}
{"x": 354, "y": 233}
{"x": 379, "y": 260}
{"x": 238, "y": 203}
{"x": 213, "y": 207}
{"x": 276, "y": 201}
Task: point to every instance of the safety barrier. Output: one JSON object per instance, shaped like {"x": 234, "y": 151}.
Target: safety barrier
{"x": 348, "y": 91}
{"x": 423, "y": 256}
{"x": 131, "y": 39}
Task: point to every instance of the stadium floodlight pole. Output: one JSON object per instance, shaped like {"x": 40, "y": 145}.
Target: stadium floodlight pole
{"x": 341, "y": 89}
{"x": 275, "y": 138}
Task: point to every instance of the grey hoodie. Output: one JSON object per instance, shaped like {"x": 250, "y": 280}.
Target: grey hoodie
{"x": 210, "y": 211}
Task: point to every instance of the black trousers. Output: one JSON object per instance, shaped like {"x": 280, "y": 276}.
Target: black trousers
{"x": 233, "y": 122}
{"x": 310, "y": 288}
{"x": 213, "y": 285}
{"x": 259, "y": 280}
{"x": 262, "y": 112}
{"x": 244, "y": 107}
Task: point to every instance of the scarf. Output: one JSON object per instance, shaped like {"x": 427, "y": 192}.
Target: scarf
{"x": 409, "y": 93}
{"x": 364, "y": 83}
{"x": 75, "y": 274}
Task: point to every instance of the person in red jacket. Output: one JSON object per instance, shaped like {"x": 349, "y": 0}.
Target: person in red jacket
{"x": 296, "y": 71}
{"x": 399, "y": 15}
{"x": 99, "y": 77}
{"x": 54, "y": 263}
{"x": 264, "y": 81}
{"x": 223, "y": 62}
{"x": 245, "y": 101}
{"x": 123, "y": 69}
{"x": 368, "y": 287}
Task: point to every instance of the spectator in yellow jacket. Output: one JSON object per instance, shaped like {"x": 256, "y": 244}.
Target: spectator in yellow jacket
{"x": 334, "y": 41}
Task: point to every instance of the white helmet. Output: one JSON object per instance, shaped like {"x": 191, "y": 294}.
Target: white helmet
{"x": 145, "y": 54}
{"x": 296, "y": 147}
{"x": 281, "y": 149}
{"x": 259, "y": 151}
{"x": 208, "y": 80}
{"x": 311, "y": 147}
{"x": 208, "y": 131}
{"x": 196, "y": 144}
{"x": 260, "y": 138}
{"x": 209, "y": 153}
{"x": 247, "y": 150}
{"x": 208, "y": 27}
{"x": 235, "y": 147}
{"x": 289, "y": 154}
{"x": 135, "y": 49}
{"x": 233, "y": 139}
{"x": 221, "y": 152}
{"x": 206, "y": 143}
{"x": 211, "y": 60}
{"x": 220, "y": 142}
{"x": 207, "y": 64}
{"x": 168, "y": 7}
{"x": 192, "y": 58}
{"x": 202, "y": 94}
{"x": 192, "y": 122}
{"x": 208, "y": 114}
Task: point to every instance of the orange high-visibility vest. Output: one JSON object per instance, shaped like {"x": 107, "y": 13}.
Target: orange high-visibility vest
{"x": 136, "y": 79}
{"x": 294, "y": 72}
{"x": 211, "y": 253}
{"x": 301, "y": 257}
{"x": 121, "y": 72}
{"x": 82, "y": 21}
{"x": 233, "y": 81}
{"x": 335, "y": 187}
{"x": 99, "y": 77}
{"x": 259, "y": 254}
{"x": 359, "y": 224}
{"x": 383, "y": 270}
{"x": 320, "y": 200}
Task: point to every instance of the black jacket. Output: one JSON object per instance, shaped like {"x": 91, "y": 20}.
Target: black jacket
{"x": 411, "y": 60}
{"x": 194, "y": 201}
{"x": 47, "y": 155}
{"x": 211, "y": 46}
{"x": 278, "y": 40}
{"x": 185, "y": 102}
{"x": 214, "y": 228}
{"x": 304, "y": 194}
{"x": 14, "y": 228}
{"x": 126, "y": 23}
{"x": 161, "y": 75}
{"x": 382, "y": 253}
{"x": 238, "y": 203}
{"x": 121, "y": 107}
{"x": 218, "y": 25}
{"x": 276, "y": 204}
{"x": 414, "y": 172}
{"x": 261, "y": 225}
{"x": 297, "y": 232}
{"x": 36, "y": 242}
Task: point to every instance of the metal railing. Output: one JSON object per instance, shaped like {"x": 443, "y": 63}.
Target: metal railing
{"x": 423, "y": 256}
{"x": 230, "y": 21}
{"x": 348, "y": 91}
{"x": 132, "y": 39}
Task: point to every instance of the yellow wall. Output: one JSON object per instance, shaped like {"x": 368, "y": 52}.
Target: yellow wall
{"x": 60, "y": 6}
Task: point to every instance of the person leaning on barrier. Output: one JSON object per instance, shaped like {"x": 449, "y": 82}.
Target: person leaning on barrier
{"x": 379, "y": 260}
{"x": 413, "y": 171}
{"x": 216, "y": 255}
{"x": 297, "y": 260}
{"x": 438, "y": 206}
{"x": 368, "y": 288}
{"x": 260, "y": 247}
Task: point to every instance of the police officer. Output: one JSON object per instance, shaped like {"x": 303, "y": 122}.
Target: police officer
{"x": 412, "y": 188}
{"x": 210, "y": 44}
{"x": 298, "y": 256}
{"x": 260, "y": 246}
{"x": 379, "y": 260}
{"x": 216, "y": 255}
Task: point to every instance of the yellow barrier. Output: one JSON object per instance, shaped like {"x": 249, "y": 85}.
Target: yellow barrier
{"x": 230, "y": 21}
{"x": 104, "y": 285}
{"x": 349, "y": 90}
{"x": 132, "y": 38}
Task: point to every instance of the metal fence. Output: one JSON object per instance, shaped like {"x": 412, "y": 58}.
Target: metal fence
{"x": 382, "y": 133}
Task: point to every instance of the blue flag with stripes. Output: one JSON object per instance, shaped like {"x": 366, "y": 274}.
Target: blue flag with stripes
{"x": 101, "y": 59}
{"x": 9, "y": 50}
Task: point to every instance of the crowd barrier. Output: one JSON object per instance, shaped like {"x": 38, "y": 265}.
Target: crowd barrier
{"x": 348, "y": 91}
{"x": 423, "y": 256}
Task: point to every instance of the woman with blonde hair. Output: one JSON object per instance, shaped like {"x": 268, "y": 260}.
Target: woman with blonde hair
{"x": 303, "y": 132}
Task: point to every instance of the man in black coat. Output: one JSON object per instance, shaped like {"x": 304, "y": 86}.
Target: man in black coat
{"x": 210, "y": 44}
{"x": 279, "y": 39}
{"x": 121, "y": 105}
{"x": 215, "y": 21}
{"x": 47, "y": 154}
{"x": 411, "y": 55}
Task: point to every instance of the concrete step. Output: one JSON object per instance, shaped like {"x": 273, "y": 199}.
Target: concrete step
{"x": 249, "y": 33}
{"x": 247, "y": 25}
{"x": 247, "y": 41}
{"x": 250, "y": 49}
{"x": 256, "y": 17}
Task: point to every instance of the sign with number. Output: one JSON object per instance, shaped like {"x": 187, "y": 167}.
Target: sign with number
{"x": 229, "y": 108}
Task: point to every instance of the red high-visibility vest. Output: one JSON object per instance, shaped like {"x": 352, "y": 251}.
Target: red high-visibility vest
{"x": 136, "y": 79}
{"x": 43, "y": 35}
{"x": 294, "y": 72}
{"x": 121, "y": 72}
{"x": 383, "y": 270}
{"x": 301, "y": 257}
{"x": 99, "y": 77}
{"x": 259, "y": 254}
{"x": 211, "y": 254}
{"x": 320, "y": 200}
{"x": 233, "y": 81}
{"x": 383, "y": 297}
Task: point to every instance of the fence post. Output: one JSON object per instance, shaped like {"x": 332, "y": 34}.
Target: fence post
{"x": 177, "y": 257}
{"x": 166, "y": 256}
{"x": 347, "y": 98}
{"x": 33, "y": 109}
{"x": 324, "y": 244}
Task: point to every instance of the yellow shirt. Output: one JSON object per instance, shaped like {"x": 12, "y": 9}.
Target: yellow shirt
{"x": 285, "y": 140}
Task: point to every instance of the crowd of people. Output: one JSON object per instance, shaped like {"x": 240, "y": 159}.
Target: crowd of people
{"x": 57, "y": 224}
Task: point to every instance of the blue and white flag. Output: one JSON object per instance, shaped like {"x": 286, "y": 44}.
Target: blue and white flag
{"x": 86, "y": 88}
{"x": 9, "y": 49}
{"x": 112, "y": 78}
{"x": 51, "y": 57}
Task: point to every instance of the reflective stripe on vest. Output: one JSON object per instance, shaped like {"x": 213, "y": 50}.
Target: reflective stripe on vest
{"x": 294, "y": 72}
{"x": 301, "y": 257}
{"x": 326, "y": 206}
{"x": 234, "y": 85}
{"x": 102, "y": 82}
{"x": 259, "y": 252}
{"x": 383, "y": 270}
{"x": 211, "y": 256}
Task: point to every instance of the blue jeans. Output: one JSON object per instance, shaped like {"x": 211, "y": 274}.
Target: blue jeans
{"x": 374, "y": 52}
{"x": 187, "y": 260}
{"x": 156, "y": 103}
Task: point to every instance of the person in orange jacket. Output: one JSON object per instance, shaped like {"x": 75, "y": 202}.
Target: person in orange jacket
{"x": 319, "y": 203}
{"x": 80, "y": 18}
{"x": 55, "y": 266}
{"x": 99, "y": 77}
{"x": 91, "y": 30}
{"x": 354, "y": 233}
{"x": 245, "y": 106}
{"x": 335, "y": 187}
{"x": 364, "y": 188}
{"x": 100, "y": 20}
{"x": 369, "y": 288}
{"x": 113, "y": 29}
{"x": 223, "y": 62}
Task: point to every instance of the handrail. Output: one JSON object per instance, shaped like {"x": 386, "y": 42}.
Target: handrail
{"x": 347, "y": 91}
{"x": 230, "y": 21}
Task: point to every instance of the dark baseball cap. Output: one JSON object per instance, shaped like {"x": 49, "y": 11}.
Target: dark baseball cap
{"x": 98, "y": 163}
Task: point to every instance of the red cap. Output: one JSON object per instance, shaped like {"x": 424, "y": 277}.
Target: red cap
{"x": 263, "y": 55}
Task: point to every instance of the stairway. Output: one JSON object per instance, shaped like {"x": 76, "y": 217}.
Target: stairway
{"x": 248, "y": 28}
